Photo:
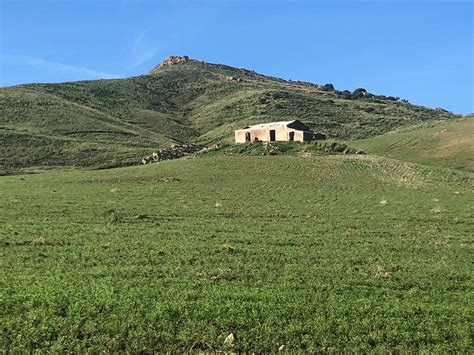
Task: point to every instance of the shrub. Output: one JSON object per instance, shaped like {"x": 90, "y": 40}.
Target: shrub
{"x": 347, "y": 95}
{"x": 360, "y": 90}
{"x": 328, "y": 87}
{"x": 358, "y": 93}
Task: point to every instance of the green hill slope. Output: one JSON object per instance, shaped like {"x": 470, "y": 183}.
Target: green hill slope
{"x": 116, "y": 122}
{"x": 447, "y": 144}
{"x": 337, "y": 254}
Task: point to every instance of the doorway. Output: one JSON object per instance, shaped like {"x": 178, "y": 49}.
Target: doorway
{"x": 272, "y": 135}
{"x": 291, "y": 136}
{"x": 247, "y": 137}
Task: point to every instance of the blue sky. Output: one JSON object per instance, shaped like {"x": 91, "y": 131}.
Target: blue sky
{"x": 418, "y": 50}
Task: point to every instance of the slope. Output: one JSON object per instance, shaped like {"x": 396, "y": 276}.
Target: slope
{"x": 184, "y": 101}
{"x": 446, "y": 144}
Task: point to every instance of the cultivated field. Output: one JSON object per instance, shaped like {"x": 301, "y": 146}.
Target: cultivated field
{"x": 448, "y": 144}
{"x": 328, "y": 253}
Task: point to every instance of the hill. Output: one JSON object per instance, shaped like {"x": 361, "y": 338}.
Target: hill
{"x": 446, "y": 144}
{"x": 307, "y": 254}
{"x": 106, "y": 123}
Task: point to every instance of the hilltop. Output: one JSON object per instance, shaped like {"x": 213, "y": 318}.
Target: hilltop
{"x": 107, "y": 123}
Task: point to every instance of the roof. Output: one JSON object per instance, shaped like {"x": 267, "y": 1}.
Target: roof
{"x": 270, "y": 124}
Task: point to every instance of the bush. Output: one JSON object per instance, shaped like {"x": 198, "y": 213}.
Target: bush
{"x": 347, "y": 95}
{"x": 358, "y": 93}
{"x": 359, "y": 90}
{"x": 328, "y": 87}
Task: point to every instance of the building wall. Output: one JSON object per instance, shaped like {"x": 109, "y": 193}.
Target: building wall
{"x": 299, "y": 136}
{"x": 239, "y": 136}
{"x": 263, "y": 134}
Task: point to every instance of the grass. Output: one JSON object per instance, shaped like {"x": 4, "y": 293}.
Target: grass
{"x": 117, "y": 122}
{"x": 447, "y": 144}
{"x": 327, "y": 254}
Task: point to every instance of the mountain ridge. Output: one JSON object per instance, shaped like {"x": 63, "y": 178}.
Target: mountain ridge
{"x": 115, "y": 122}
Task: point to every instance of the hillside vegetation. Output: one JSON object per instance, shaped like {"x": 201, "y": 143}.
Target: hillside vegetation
{"x": 447, "y": 144}
{"x": 106, "y": 123}
{"x": 305, "y": 254}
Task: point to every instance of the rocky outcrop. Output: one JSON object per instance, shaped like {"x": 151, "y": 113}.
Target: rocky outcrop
{"x": 177, "y": 151}
{"x": 335, "y": 147}
{"x": 232, "y": 78}
{"x": 171, "y": 60}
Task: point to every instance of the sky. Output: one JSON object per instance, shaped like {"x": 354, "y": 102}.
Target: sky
{"x": 418, "y": 50}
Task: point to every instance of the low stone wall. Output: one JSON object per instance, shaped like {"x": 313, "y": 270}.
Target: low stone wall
{"x": 335, "y": 147}
{"x": 175, "y": 152}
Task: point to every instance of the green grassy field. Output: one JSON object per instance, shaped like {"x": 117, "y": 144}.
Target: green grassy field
{"x": 443, "y": 144}
{"x": 316, "y": 253}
